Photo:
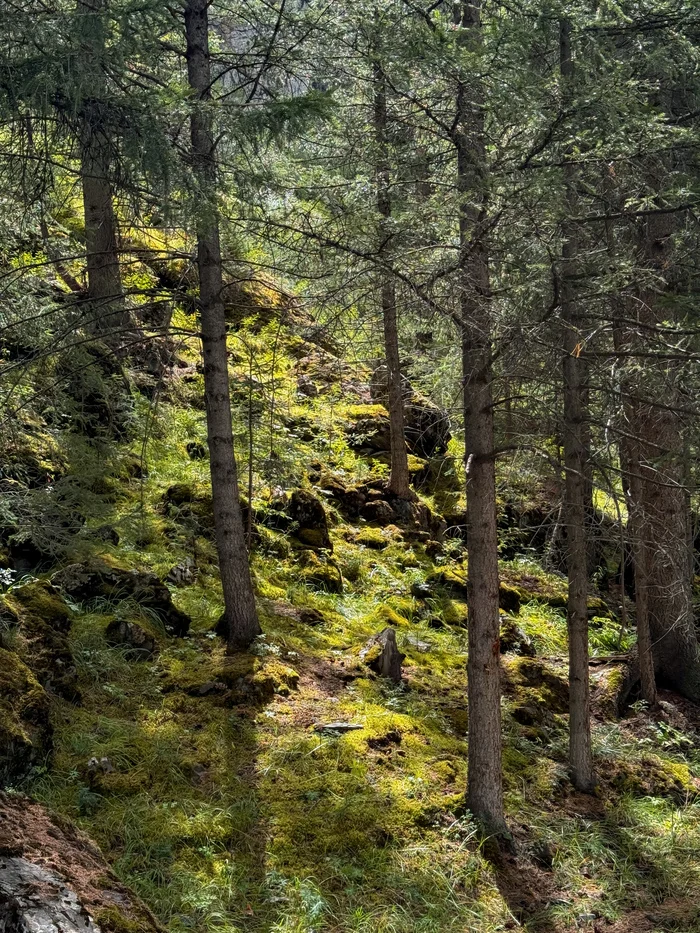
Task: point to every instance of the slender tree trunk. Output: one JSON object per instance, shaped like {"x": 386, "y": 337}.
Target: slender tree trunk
{"x": 575, "y": 468}
{"x": 398, "y": 477}
{"x": 239, "y": 601}
{"x": 110, "y": 317}
{"x": 629, "y": 456}
{"x": 484, "y": 781}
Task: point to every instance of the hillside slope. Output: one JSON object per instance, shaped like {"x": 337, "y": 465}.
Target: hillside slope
{"x": 292, "y": 789}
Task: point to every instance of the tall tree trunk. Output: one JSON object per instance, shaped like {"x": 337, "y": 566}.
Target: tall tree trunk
{"x": 484, "y": 780}
{"x": 398, "y": 477}
{"x": 575, "y": 468}
{"x": 240, "y": 614}
{"x": 623, "y": 339}
{"x": 663, "y": 491}
{"x": 110, "y": 317}
{"x": 629, "y": 458}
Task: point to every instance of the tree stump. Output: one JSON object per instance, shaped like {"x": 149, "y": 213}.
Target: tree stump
{"x": 381, "y": 654}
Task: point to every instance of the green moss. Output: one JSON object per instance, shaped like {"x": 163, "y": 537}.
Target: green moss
{"x": 357, "y": 412}
{"x": 114, "y": 920}
{"x": 373, "y": 538}
{"x": 42, "y": 601}
{"x": 651, "y": 775}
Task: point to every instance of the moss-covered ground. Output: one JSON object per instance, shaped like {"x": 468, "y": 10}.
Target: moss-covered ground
{"x": 225, "y": 807}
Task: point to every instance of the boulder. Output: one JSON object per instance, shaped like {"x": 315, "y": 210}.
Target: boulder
{"x": 42, "y": 619}
{"x": 96, "y": 579}
{"x": 380, "y": 512}
{"x": 25, "y": 728}
{"x": 190, "y": 507}
{"x": 139, "y": 644}
{"x": 514, "y": 640}
{"x": 53, "y": 879}
{"x": 427, "y": 426}
{"x": 307, "y": 512}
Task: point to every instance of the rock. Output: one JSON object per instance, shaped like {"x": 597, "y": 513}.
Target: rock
{"x": 106, "y": 533}
{"x": 427, "y": 426}
{"x": 421, "y": 591}
{"x": 514, "y": 639}
{"x": 323, "y": 576}
{"x": 187, "y": 506}
{"x": 183, "y": 574}
{"x": 96, "y": 579}
{"x": 196, "y": 450}
{"x": 372, "y": 434}
{"x": 44, "y": 622}
{"x": 508, "y": 598}
{"x": 36, "y": 900}
{"x": 350, "y": 500}
{"x": 310, "y": 517}
{"x": 337, "y": 727}
{"x": 25, "y": 728}
{"x": 422, "y": 646}
{"x": 140, "y": 645}
{"x": 53, "y": 879}
{"x": 379, "y": 512}
{"x": 306, "y": 386}
{"x": 381, "y": 654}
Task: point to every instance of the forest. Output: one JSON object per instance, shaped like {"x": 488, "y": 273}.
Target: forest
{"x": 349, "y": 491}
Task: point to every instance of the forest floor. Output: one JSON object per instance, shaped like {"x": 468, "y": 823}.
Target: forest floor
{"x": 217, "y": 788}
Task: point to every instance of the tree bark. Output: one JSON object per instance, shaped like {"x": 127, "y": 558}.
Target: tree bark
{"x": 575, "y": 468}
{"x": 484, "y": 780}
{"x": 399, "y": 483}
{"x": 630, "y": 466}
{"x": 239, "y": 602}
{"x": 110, "y": 318}
{"x": 662, "y": 488}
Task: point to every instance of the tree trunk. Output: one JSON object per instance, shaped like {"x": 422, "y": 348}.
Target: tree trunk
{"x": 663, "y": 489}
{"x": 398, "y": 477}
{"x": 575, "y": 468}
{"x": 484, "y": 781}
{"x": 629, "y": 457}
{"x": 631, "y": 477}
{"x": 239, "y": 601}
{"x": 110, "y": 318}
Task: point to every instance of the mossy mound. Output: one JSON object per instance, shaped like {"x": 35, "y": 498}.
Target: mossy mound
{"x": 651, "y": 776}
{"x": 532, "y": 681}
{"x": 25, "y": 730}
{"x": 43, "y": 622}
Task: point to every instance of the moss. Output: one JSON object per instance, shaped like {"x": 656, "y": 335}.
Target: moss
{"x": 24, "y": 717}
{"x": 373, "y": 538}
{"x": 42, "y": 601}
{"x": 385, "y": 615}
{"x": 358, "y": 412}
{"x": 114, "y": 920}
{"x": 508, "y": 598}
{"x": 313, "y": 537}
{"x": 651, "y": 776}
{"x": 326, "y": 577}
{"x": 533, "y": 683}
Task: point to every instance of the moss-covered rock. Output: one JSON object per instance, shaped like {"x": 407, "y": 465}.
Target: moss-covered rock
{"x": 96, "y": 579}
{"x": 651, "y": 776}
{"x": 43, "y": 622}
{"x": 25, "y": 730}
{"x": 533, "y": 681}
{"x": 309, "y": 516}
